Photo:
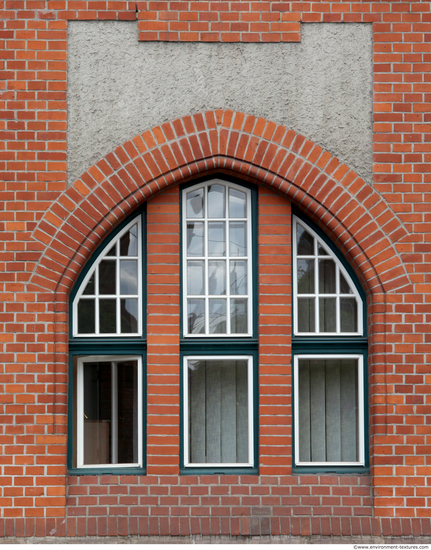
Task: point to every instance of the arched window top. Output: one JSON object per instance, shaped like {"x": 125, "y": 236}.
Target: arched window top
{"x": 327, "y": 301}
{"x": 108, "y": 302}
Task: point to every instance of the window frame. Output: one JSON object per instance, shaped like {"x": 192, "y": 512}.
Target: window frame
{"x": 122, "y": 346}
{"x": 327, "y": 345}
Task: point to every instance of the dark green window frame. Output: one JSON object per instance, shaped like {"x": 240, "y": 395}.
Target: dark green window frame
{"x": 126, "y": 346}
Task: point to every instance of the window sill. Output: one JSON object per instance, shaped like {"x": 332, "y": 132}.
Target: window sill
{"x": 212, "y": 471}
{"x": 301, "y": 470}
{"x": 106, "y": 470}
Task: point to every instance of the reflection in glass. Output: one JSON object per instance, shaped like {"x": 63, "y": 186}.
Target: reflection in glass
{"x": 195, "y": 239}
{"x": 129, "y": 315}
{"x": 320, "y": 250}
{"x": 348, "y": 315}
{"x": 217, "y": 316}
{"x": 196, "y": 316}
{"x": 344, "y": 285}
{"x": 238, "y": 238}
{"x": 216, "y": 201}
{"x": 238, "y": 315}
{"x": 216, "y": 238}
{"x": 195, "y": 277}
{"x": 305, "y": 242}
{"x": 129, "y": 242}
{"x": 327, "y": 273}
{"x": 305, "y": 276}
{"x": 216, "y": 277}
{"x": 237, "y": 204}
{"x": 86, "y": 317}
{"x": 238, "y": 277}
{"x": 195, "y": 204}
{"x": 128, "y": 277}
{"x": 89, "y": 289}
{"x": 107, "y": 316}
{"x": 112, "y": 251}
{"x": 306, "y": 315}
{"x": 107, "y": 277}
{"x": 328, "y": 314}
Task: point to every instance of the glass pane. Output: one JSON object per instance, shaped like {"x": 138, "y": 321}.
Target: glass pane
{"x": 238, "y": 238}
{"x": 218, "y": 411}
{"x": 129, "y": 242}
{"x": 196, "y": 316}
{"x": 195, "y": 204}
{"x": 129, "y": 315}
{"x": 107, "y": 316}
{"x": 128, "y": 277}
{"x": 97, "y": 413}
{"x": 344, "y": 285}
{"x": 86, "y": 317}
{"x": 127, "y": 395}
{"x": 107, "y": 277}
{"x": 89, "y": 289}
{"x": 348, "y": 315}
{"x": 112, "y": 251}
{"x": 238, "y": 277}
{"x": 328, "y": 314}
{"x": 305, "y": 276}
{"x": 327, "y": 273}
{"x": 328, "y": 410}
{"x": 195, "y": 239}
{"x": 320, "y": 250}
{"x": 216, "y": 277}
{"x": 305, "y": 242}
{"x": 238, "y": 316}
{"x": 216, "y": 238}
{"x": 306, "y": 315}
{"x": 216, "y": 201}
{"x": 217, "y": 316}
{"x": 237, "y": 204}
{"x": 195, "y": 277}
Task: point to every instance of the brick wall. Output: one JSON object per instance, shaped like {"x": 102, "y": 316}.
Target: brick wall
{"x": 48, "y": 232}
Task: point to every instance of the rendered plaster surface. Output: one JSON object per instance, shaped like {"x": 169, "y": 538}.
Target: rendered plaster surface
{"x": 119, "y": 87}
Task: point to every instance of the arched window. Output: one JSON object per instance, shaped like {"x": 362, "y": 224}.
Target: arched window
{"x": 329, "y": 346}
{"x": 107, "y": 356}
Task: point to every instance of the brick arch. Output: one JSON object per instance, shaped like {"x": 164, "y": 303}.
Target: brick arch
{"x": 254, "y": 149}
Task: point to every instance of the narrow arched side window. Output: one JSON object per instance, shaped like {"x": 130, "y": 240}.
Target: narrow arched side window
{"x": 329, "y": 356}
{"x": 107, "y": 357}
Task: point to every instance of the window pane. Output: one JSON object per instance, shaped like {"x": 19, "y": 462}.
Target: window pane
{"x": 216, "y": 201}
{"x": 238, "y": 238}
{"x": 196, "y": 316}
{"x": 327, "y": 272}
{"x": 306, "y": 315}
{"x": 89, "y": 289}
{"x": 238, "y": 277}
{"x": 305, "y": 242}
{"x": 237, "y": 204}
{"x": 107, "y": 277}
{"x": 217, "y": 316}
{"x": 328, "y": 314}
{"x": 216, "y": 277}
{"x": 86, "y": 317}
{"x": 195, "y": 204}
{"x": 328, "y": 410}
{"x": 129, "y": 242}
{"x": 305, "y": 276}
{"x": 97, "y": 413}
{"x": 107, "y": 316}
{"x": 218, "y": 411}
{"x": 195, "y": 239}
{"x": 344, "y": 285}
{"x": 320, "y": 250}
{"x": 238, "y": 316}
{"x": 129, "y": 315}
{"x": 216, "y": 238}
{"x": 195, "y": 277}
{"x": 348, "y": 315}
{"x": 112, "y": 251}
{"x": 128, "y": 277}
{"x": 127, "y": 395}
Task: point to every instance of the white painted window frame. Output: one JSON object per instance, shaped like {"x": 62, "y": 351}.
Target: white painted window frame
{"x": 94, "y": 270}
{"x": 361, "y": 412}
{"x": 79, "y": 418}
{"x": 249, "y": 359}
{"x": 207, "y": 258}
{"x": 316, "y": 295}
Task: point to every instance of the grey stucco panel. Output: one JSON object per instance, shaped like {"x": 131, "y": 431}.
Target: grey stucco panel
{"x": 119, "y": 87}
